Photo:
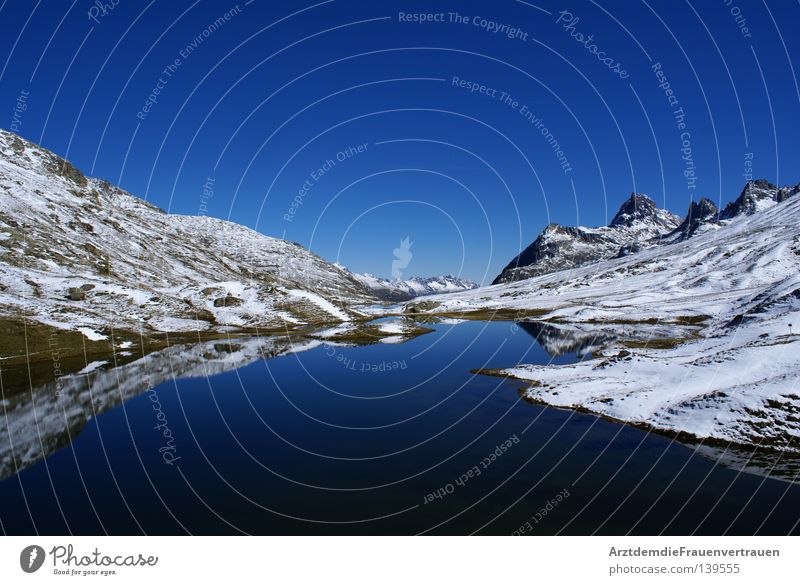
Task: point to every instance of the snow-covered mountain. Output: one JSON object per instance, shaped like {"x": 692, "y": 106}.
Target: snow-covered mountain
{"x": 758, "y": 195}
{"x": 403, "y": 290}
{"x": 638, "y": 224}
{"x": 80, "y": 254}
{"x": 728, "y": 367}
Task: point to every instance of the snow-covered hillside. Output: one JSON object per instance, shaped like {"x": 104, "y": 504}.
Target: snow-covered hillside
{"x": 78, "y": 253}
{"x": 403, "y": 290}
{"x": 727, "y": 370}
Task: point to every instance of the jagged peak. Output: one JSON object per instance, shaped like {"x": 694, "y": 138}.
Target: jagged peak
{"x": 639, "y": 208}
{"x": 703, "y": 209}
{"x": 636, "y": 207}
{"x": 757, "y": 194}
{"x": 699, "y": 213}
{"x": 758, "y": 184}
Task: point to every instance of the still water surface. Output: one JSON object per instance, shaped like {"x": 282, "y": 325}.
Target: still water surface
{"x": 379, "y": 439}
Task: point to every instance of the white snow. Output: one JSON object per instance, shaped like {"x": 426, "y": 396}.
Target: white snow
{"x": 91, "y": 334}
{"x": 174, "y": 324}
{"x": 334, "y": 331}
{"x": 724, "y": 387}
{"x": 91, "y": 367}
{"x": 395, "y": 326}
{"x": 320, "y": 302}
{"x": 397, "y": 289}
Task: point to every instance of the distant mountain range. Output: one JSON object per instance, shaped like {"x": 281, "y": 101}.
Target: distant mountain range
{"x": 638, "y": 225}
{"x": 403, "y": 290}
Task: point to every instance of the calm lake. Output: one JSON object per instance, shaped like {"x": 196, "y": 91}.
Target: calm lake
{"x": 391, "y": 438}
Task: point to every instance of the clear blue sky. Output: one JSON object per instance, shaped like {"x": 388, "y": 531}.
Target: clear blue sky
{"x": 261, "y": 100}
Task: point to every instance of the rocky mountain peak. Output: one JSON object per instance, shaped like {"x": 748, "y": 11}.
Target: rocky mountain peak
{"x": 757, "y": 195}
{"x": 638, "y": 207}
{"x": 699, "y": 213}
{"x": 638, "y": 223}
{"x": 704, "y": 209}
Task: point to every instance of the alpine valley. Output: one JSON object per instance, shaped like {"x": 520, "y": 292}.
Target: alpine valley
{"x": 683, "y": 325}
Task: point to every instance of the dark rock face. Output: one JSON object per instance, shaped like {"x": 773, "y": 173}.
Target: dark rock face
{"x": 76, "y": 294}
{"x": 629, "y": 249}
{"x": 228, "y": 301}
{"x": 700, "y": 213}
{"x": 758, "y": 195}
{"x": 753, "y": 194}
{"x": 638, "y": 208}
{"x": 785, "y": 192}
{"x": 61, "y": 166}
{"x": 638, "y": 223}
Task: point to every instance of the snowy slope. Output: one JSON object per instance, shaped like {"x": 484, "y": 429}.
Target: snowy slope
{"x": 403, "y": 290}
{"x": 718, "y": 273}
{"x": 78, "y": 253}
{"x": 735, "y": 379}
{"x": 742, "y": 386}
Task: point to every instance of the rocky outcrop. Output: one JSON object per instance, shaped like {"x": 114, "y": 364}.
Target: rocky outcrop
{"x": 698, "y": 215}
{"x": 756, "y": 196}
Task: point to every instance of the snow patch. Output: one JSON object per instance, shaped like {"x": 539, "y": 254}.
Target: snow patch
{"x": 91, "y": 334}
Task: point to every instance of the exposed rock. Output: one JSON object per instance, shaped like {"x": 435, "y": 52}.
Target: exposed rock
{"x": 640, "y": 209}
{"x": 637, "y": 226}
{"x": 66, "y": 230}
{"x": 76, "y": 294}
{"x": 699, "y": 214}
{"x": 756, "y": 196}
{"x": 228, "y": 301}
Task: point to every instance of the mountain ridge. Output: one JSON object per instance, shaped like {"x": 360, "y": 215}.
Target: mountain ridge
{"x": 639, "y": 224}
{"x": 396, "y": 290}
